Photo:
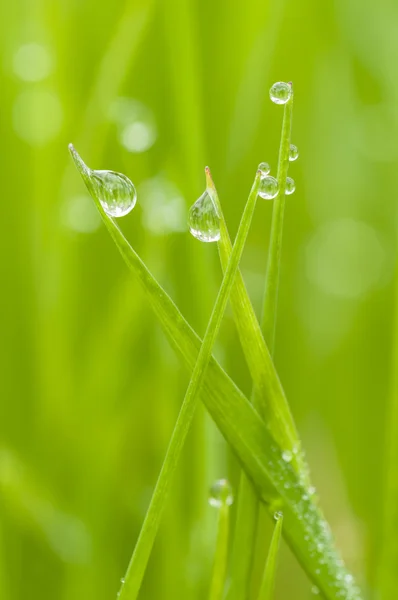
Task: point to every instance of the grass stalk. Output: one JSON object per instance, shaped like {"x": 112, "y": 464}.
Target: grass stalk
{"x": 248, "y": 503}
{"x": 249, "y": 437}
{"x": 221, "y": 554}
{"x": 268, "y": 582}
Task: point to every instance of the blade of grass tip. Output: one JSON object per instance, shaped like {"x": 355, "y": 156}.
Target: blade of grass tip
{"x": 220, "y": 497}
{"x": 248, "y": 502}
{"x": 135, "y": 572}
{"x": 304, "y": 526}
{"x": 268, "y": 582}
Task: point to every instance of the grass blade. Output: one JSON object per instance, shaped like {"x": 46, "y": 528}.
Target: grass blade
{"x": 248, "y": 504}
{"x": 222, "y": 500}
{"x": 304, "y": 526}
{"x": 268, "y": 582}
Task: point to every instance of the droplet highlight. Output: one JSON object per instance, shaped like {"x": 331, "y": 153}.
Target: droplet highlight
{"x": 203, "y": 219}
{"x": 269, "y": 187}
{"x": 293, "y": 153}
{"x": 280, "y": 92}
{"x": 264, "y": 168}
{"x": 221, "y": 494}
{"x": 278, "y": 515}
{"x": 287, "y": 456}
{"x": 290, "y": 186}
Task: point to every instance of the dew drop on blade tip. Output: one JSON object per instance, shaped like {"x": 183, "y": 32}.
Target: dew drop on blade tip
{"x": 221, "y": 494}
{"x": 280, "y": 92}
{"x": 290, "y": 186}
{"x": 269, "y": 187}
{"x": 277, "y": 515}
{"x": 293, "y": 153}
{"x": 264, "y": 168}
{"x": 287, "y": 456}
{"x": 115, "y": 191}
{"x": 203, "y": 219}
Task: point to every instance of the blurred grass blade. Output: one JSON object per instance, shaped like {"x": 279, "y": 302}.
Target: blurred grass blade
{"x": 268, "y": 582}
{"x": 136, "y": 569}
{"x": 248, "y": 504}
{"x": 222, "y": 501}
{"x": 304, "y": 526}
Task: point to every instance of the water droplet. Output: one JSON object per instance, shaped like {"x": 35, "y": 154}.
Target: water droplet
{"x": 269, "y": 188}
{"x": 277, "y": 515}
{"x": 290, "y": 186}
{"x": 280, "y": 92}
{"x": 293, "y": 153}
{"x": 221, "y": 493}
{"x": 315, "y": 590}
{"x": 311, "y": 490}
{"x": 287, "y": 456}
{"x": 115, "y": 191}
{"x": 122, "y": 580}
{"x": 203, "y": 219}
{"x": 264, "y": 168}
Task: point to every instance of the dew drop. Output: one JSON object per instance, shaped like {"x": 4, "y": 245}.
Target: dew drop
{"x": 203, "y": 219}
{"x": 115, "y": 192}
{"x": 293, "y": 153}
{"x": 277, "y": 515}
{"x": 287, "y": 456}
{"x": 290, "y": 186}
{"x": 264, "y": 168}
{"x": 122, "y": 580}
{"x": 315, "y": 590}
{"x": 280, "y": 92}
{"x": 221, "y": 494}
{"x": 269, "y": 187}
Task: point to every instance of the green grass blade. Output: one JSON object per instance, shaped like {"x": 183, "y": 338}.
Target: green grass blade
{"x": 304, "y": 526}
{"x": 248, "y": 504}
{"x": 268, "y": 582}
{"x": 221, "y": 553}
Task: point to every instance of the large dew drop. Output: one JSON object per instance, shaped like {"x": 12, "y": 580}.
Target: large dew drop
{"x": 221, "y": 494}
{"x": 269, "y": 187}
{"x": 264, "y": 168}
{"x": 203, "y": 219}
{"x": 280, "y": 92}
{"x": 115, "y": 191}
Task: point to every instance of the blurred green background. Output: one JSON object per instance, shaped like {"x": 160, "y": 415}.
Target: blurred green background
{"x": 89, "y": 386}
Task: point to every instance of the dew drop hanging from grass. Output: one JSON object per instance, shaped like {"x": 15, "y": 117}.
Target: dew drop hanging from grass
{"x": 264, "y": 168}
{"x": 203, "y": 219}
{"x": 280, "y": 92}
{"x": 115, "y": 191}
{"x": 293, "y": 153}
{"x": 269, "y": 187}
{"x": 290, "y": 186}
{"x": 221, "y": 493}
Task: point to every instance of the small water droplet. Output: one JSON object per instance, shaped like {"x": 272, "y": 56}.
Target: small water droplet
{"x": 264, "y": 168}
{"x": 290, "y": 186}
{"x": 277, "y": 515}
{"x": 293, "y": 153}
{"x": 269, "y": 187}
{"x": 203, "y": 219}
{"x": 287, "y": 456}
{"x": 122, "y": 580}
{"x": 221, "y": 494}
{"x": 315, "y": 590}
{"x": 311, "y": 490}
{"x": 280, "y": 92}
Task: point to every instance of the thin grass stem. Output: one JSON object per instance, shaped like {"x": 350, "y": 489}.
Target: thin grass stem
{"x": 221, "y": 554}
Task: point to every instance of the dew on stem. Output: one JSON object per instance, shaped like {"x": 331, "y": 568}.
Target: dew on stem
{"x": 115, "y": 191}
{"x": 269, "y": 187}
{"x": 264, "y": 168}
{"x": 293, "y": 153}
{"x": 280, "y": 92}
{"x": 221, "y": 493}
{"x": 203, "y": 219}
{"x": 290, "y": 186}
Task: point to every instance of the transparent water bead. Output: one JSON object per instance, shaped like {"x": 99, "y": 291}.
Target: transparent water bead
{"x": 203, "y": 219}
{"x": 290, "y": 186}
{"x": 269, "y": 187}
{"x": 277, "y": 515}
{"x": 293, "y": 153}
{"x": 280, "y": 92}
{"x": 115, "y": 191}
{"x": 221, "y": 494}
{"x": 287, "y": 456}
{"x": 264, "y": 168}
